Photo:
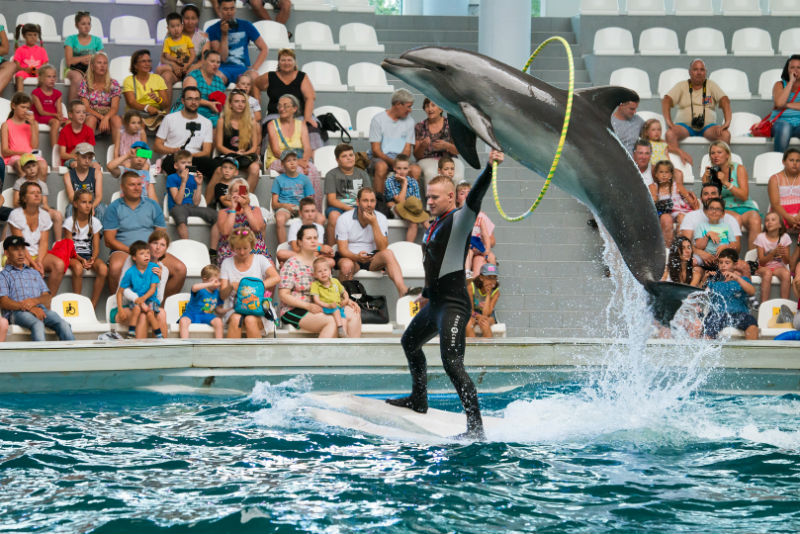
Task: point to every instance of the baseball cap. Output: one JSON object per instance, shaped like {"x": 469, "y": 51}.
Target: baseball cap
{"x": 489, "y": 269}
{"x": 140, "y": 144}
{"x": 231, "y": 160}
{"x": 14, "y": 241}
{"x": 25, "y": 159}
{"x": 288, "y": 152}
{"x": 84, "y": 148}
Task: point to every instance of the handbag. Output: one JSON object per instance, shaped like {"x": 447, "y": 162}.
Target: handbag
{"x": 763, "y": 128}
{"x": 329, "y": 123}
{"x": 373, "y": 308}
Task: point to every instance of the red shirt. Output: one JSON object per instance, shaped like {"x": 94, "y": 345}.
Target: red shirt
{"x": 69, "y": 139}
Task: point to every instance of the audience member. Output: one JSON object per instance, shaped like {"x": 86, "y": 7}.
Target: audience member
{"x": 145, "y": 91}
{"x": 191, "y": 28}
{"x": 217, "y": 192}
{"x": 308, "y": 215}
{"x": 46, "y": 102}
{"x": 773, "y": 245}
{"x": 84, "y": 229}
{"x": 729, "y": 293}
{"x": 7, "y": 67}
{"x": 715, "y": 235}
{"x": 681, "y": 266}
{"x": 84, "y": 177}
{"x": 482, "y": 240}
{"x": 626, "y": 123}
{"x": 211, "y": 86}
{"x": 132, "y": 130}
{"x": 659, "y": 149}
{"x": 735, "y": 189}
{"x": 259, "y": 7}
{"x": 29, "y": 56}
{"x": 362, "y": 239}
{"x": 287, "y": 191}
{"x": 184, "y": 189}
{"x": 186, "y": 130}
{"x": 391, "y": 133}
{"x": 202, "y": 305}
{"x": 136, "y": 160}
{"x": 484, "y": 291}
{"x": 231, "y": 37}
{"x": 697, "y": 101}
{"x": 297, "y": 308}
{"x": 671, "y": 198}
{"x": 403, "y": 196}
{"x": 447, "y": 168}
{"x": 78, "y": 51}
{"x": 433, "y": 141}
{"x": 341, "y": 186}
{"x": 101, "y": 94}
{"x": 74, "y": 133}
{"x": 239, "y": 216}
{"x": 177, "y": 54}
{"x": 137, "y": 303}
{"x": 245, "y": 83}
{"x": 238, "y": 135}
{"x": 32, "y": 223}
{"x": 642, "y": 154}
{"x": 157, "y": 243}
{"x": 19, "y": 135}
{"x": 693, "y": 219}
{"x": 30, "y": 174}
{"x": 784, "y": 191}
{"x": 784, "y": 97}
{"x": 24, "y": 297}
{"x": 287, "y": 79}
{"x": 329, "y": 294}
{"x": 288, "y": 132}
{"x": 133, "y": 218}
{"x": 245, "y": 263}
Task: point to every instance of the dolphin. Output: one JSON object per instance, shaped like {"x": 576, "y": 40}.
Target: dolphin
{"x": 522, "y": 116}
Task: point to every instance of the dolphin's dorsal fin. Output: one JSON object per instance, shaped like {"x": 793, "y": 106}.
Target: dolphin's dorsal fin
{"x": 606, "y": 99}
{"x": 464, "y": 139}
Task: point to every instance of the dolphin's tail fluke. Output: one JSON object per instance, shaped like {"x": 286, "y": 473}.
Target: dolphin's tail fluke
{"x": 666, "y": 298}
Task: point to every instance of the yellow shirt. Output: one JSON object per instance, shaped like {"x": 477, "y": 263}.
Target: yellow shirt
{"x": 295, "y": 141}
{"x": 154, "y": 83}
{"x": 328, "y": 295}
{"x": 182, "y": 49}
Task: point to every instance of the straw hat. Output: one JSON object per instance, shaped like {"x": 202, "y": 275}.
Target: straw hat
{"x": 411, "y": 210}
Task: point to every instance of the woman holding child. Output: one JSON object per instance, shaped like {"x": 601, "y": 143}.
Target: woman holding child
{"x": 297, "y": 307}
{"x": 245, "y": 263}
{"x": 240, "y": 215}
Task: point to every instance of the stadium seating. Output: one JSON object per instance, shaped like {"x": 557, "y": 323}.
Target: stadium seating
{"x": 353, "y": 6}
{"x": 119, "y": 68}
{"x": 659, "y": 42}
{"x": 190, "y": 220}
{"x": 45, "y": 21}
{"x": 646, "y": 8}
{"x": 613, "y": 41}
{"x": 274, "y": 34}
{"x": 409, "y": 256}
{"x": 359, "y": 37}
{"x": 192, "y": 253}
{"x": 752, "y": 42}
{"x": 130, "y": 30}
{"x": 406, "y": 309}
{"x": 767, "y": 81}
{"x": 78, "y": 311}
{"x": 765, "y": 165}
{"x": 783, "y": 8}
{"x": 741, "y": 8}
{"x": 741, "y": 121}
{"x": 324, "y": 76}
{"x": 314, "y": 36}
{"x": 341, "y": 114}
{"x": 174, "y": 306}
{"x": 364, "y": 117}
{"x": 634, "y": 79}
{"x": 599, "y": 7}
{"x": 733, "y": 82}
{"x": 767, "y": 313}
{"x": 702, "y": 42}
{"x": 789, "y": 41}
{"x": 647, "y": 115}
{"x": 161, "y": 30}
{"x": 312, "y": 5}
{"x": 693, "y": 8}
{"x": 324, "y": 159}
{"x": 68, "y": 27}
{"x": 669, "y": 78}
{"x": 368, "y": 78}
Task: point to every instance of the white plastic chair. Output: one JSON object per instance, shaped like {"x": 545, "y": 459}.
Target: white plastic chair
{"x": 368, "y": 77}
{"x": 193, "y": 254}
{"x": 409, "y": 256}
{"x": 752, "y": 42}
{"x": 359, "y": 37}
{"x": 341, "y": 114}
{"x": 114, "y": 196}
{"x": 4, "y": 23}
{"x": 78, "y": 311}
{"x": 646, "y": 7}
{"x": 613, "y": 41}
{"x": 324, "y": 159}
{"x": 274, "y": 34}
{"x": 685, "y": 168}
{"x": 55, "y": 160}
{"x": 647, "y": 115}
{"x": 68, "y": 27}
{"x": 353, "y": 6}
{"x": 61, "y": 201}
{"x": 5, "y": 108}
{"x": 111, "y": 309}
{"x": 706, "y": 162}
{"x": 705, "y": 42}
{"x": 174, "y": 306}
{"x": 634, "y": 79}
{"x": 767, "y": 81}
{"x": 137, "y": 2}
{"x": 693, "y": 8}
{"x": 161, "y": 30}
{"x": 207, "y": 24}
{"x": 314, "y": 36}
{"x": 765, "y": 165}
{"x": 741, "y": 8}
{"x": 769, "y": 309}
{"x": 312, "y": 5}
{"x": 741, "y": 121}
{"x": 733, "y": 82}
{"x": 789, "y": 41}
{"x": 130, "y": 30}
{"x": 599, "y": 7}
{"x": 47, "y": 23}
{"x": 783, "y": 8}
{"x": 324, "y": 76}
{"x": 364, "y": 117}
{"x": 8, "y": 197}
{"x": 669, "y": 78}
{"x": 659, "y": 42}
{"x": 46, "y": 127}
{"x": 119, "y": 68}
{"x": 190, "y": 221}
{"x": 405, "y": 310}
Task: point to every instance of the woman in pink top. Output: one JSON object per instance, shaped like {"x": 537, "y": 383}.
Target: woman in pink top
{"x": 20, "y": 135}
{"x": 30, "y": 56}
{"x": 784, "y": 191}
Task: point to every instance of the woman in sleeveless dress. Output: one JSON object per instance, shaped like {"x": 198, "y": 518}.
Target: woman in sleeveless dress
{"x": 784, "y": 191}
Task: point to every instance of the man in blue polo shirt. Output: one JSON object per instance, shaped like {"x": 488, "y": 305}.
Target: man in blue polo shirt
{"x": 24, "y": 296}
{"x": 231, "y": 37}
{"x": 132, "y": 218}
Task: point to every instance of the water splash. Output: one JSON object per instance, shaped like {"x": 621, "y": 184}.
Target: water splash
{"x": 283, "y": 401}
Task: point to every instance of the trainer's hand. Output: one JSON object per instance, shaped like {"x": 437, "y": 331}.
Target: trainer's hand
{"x": 496, "y": 155}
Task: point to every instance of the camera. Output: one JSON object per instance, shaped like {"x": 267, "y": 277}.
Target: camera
{"x": 192, "y": 168}
{"x": 713, "y": 178}
{"x": 698, "y": 122}
{"x": 233, "y": 24}
{"x": 715, "y": 169}
{"x": 193, "y": 126}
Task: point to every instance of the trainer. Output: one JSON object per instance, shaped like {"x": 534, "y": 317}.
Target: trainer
{"x": 448, "y": 306}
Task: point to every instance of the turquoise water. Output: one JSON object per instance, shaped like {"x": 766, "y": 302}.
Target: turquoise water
{"x": 570, "y": 459}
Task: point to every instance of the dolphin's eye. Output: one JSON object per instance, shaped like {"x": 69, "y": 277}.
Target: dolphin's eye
{"x": 440, "y": 68}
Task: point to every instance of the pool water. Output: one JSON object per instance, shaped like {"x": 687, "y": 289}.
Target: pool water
{"x": 564, "y": 462}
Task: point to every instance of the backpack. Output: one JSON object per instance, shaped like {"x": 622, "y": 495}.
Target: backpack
{"x": 250, "y": 297}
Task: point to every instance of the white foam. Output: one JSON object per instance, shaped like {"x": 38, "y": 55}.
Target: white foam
{"x": 283, "y": 401}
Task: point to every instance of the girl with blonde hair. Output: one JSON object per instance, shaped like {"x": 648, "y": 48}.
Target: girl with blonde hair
{"x": 238, "y": 136}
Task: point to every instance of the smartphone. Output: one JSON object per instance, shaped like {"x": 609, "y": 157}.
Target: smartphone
{"x": 192, "y": 168}
{"x": 142, "y": 153}
{"x": 242, "y": 190}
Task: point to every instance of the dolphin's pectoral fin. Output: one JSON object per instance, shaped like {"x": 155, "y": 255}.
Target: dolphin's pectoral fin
{"x": 464, "y": 139}
{"x": 480, "y": 123}
{"x": 666, "y": 298}
{"x": 606, "y": 99}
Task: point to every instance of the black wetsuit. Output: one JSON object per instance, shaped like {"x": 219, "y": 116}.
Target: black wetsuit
{"x": 448, "y": 310}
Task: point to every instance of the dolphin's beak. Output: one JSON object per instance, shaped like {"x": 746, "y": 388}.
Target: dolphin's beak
{"x": 395, "y": 65}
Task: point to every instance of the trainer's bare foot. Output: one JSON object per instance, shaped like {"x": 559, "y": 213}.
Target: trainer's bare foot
{"x": 411, "y": 402}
